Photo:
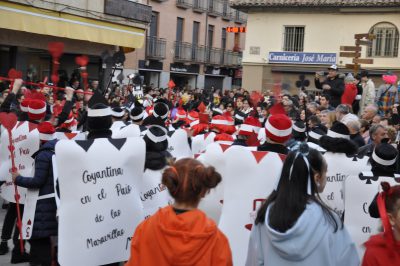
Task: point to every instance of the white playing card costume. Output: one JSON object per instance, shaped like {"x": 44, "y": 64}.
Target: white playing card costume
{"x": 339, "y": 168}
{"x": 74, "y": 135}
{"x": 178, "y": 144}
{"x": 250, "y": 178}
{"x": 360, "y": 190}
{"x": 26, "y": 143}
{"x": 100, "y": 204}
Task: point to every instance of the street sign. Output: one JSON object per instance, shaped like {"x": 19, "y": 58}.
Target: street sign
{"x": 351, "y": 66}
{"x": 362, "y": 42}
{"x": 350, "y": 48}
{"x": 363, "y": 61}
{"x": 364, "y": 35}
{"x": 350, "y": 54}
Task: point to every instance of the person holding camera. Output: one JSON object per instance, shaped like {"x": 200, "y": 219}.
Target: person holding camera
{"x": 331, "y": 85}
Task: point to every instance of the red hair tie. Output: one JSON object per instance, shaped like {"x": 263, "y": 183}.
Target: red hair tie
{"x": 388, "y": 232}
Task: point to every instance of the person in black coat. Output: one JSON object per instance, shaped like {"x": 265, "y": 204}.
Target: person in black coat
{"x": 332, "y": 85}
{"x": 45, "y": 223}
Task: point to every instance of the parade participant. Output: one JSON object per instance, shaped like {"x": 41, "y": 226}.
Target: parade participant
{"x": 69, "y": 125}
{"x": 156, "y": 148}
{"x": 313, "y": 137}
{"x": 44, "y": 218}
{"x": 180, "y": 119}
{"x": 278, "y": 130}
{"x": 332, "y": 85}
{"x": 184, "y": 234}
{"x": 159, "y": 115}
{"x": 224, "y": 138}
{"x": 250, "y": 126}
{"x": 294, "y": 226}
{"x": 384, "y": 248}
{"x": 299, "y": 135}
{"x": 118, "y": 115}
{"x": 137, "y": 115}
{"x": 368, "y": 92}
{"x": 222, "y": 124}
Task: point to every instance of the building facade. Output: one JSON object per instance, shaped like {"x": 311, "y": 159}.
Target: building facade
{"x": 187, "y": 42}
{"x": 288, "y": 41}
{"x": 90, "y": 27}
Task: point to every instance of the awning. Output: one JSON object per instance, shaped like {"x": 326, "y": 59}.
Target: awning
{"x": 47, "y": 22}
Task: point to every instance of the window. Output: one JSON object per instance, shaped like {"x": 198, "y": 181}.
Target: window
{"x": 223, "y": 39}
{"x": 153, "y": 24}
{"x": 179, "y": 30}
{"x": 386, "y": 43}
{"x": 195, "y": 39}
{"x": 210, "y": 35}
{"x": 293, "y": 39}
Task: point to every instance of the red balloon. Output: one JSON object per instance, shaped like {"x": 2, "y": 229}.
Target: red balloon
{"x": 82, "y": 60}
{"x": 56, "y": 49}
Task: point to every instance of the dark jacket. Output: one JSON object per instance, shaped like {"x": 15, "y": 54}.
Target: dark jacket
{"x": 366, "y": 150}
{"x": 278, "y": 148}
{"x": 336, "y": 91}
{"x": 45, "y": 223}
{"x": 358, "y": 139}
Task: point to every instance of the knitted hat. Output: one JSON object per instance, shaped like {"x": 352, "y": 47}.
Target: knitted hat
{"x": 36, "y": 109}
{"x": 224, "y": 138}
{"x": 193, "y": 115}
{"x": 156, "y": 138}
{"x": 46, "y": 131}
{"x": 180, "y": 114}
{"x": 223, "y": 124}
{"x": 278, "y": 128}
{"x": 251, "y": 124}
{"x": 24, "y": 105}
{"x": 137, "y": 114}
{"x": 384, "y": 154}
{"x": 161, "y": 110}
{"x": 339, "y": 130}
{"x": 118, "y": 112}
{"x": 99, "y": 113}
{"x": 299, "y": 130}
{"x": 349, "y": 78}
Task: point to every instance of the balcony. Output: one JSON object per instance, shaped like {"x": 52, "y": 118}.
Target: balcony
{"x": 232, "y": 59}
{"x": 198, "y": 53}
{"x": 227, "y": 12}
{"x": 215, "y": 8}
{"x": 240, "y": 17}
{"x": 214, "y": 56}
{"x": 200, "y": 6}
{"x": 128, "y": 9}
{"x": 155, "y": 48}
{"x": 185, "y": 4}
{"x": 183, "y": 51}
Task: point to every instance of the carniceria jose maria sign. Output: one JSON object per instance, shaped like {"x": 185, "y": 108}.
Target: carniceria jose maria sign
{"x": 302, "y": 58}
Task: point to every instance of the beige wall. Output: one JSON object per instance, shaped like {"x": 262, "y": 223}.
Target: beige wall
{"x": 323, "y": 33}
{"x": 168, "y": 13}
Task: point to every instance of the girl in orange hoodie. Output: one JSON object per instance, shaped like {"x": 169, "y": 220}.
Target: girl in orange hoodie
{"x": 181, "y": 234}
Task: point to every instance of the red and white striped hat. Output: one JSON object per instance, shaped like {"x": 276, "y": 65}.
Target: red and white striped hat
{"x": 24, "y": 105}
{"x": 46, "y": 131}
{"x": 224, "y": 138}
{"x": 180, "y": 114}
{"x": 278, "y": 128}
{"x": 250, "y": 125}
{"x": 223, "y": 124}
{"x": 36, "y": 109}
{"x": 193, "y": 115}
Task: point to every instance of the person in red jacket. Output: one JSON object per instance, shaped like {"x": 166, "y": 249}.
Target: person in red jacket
{"x": 181, "y": 234}
{"x": 384, "y": 249}
{"x": 350, "y": 90}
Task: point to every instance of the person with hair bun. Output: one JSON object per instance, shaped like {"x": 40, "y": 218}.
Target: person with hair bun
{"x": 384, "y": 248}
{"x": 294, "y": 226}
{"x": 181, "y": 234}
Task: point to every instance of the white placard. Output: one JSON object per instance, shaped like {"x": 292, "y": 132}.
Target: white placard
{"x": 100, "y": 205}
{"x": 26, "y": 143}
{"x": 339, "y": 168}
{"x": 359, "y": 193}
{"x": 153, "y": 194}
{"x": 178, "y": 144}
{"x": 251, "y": 177}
